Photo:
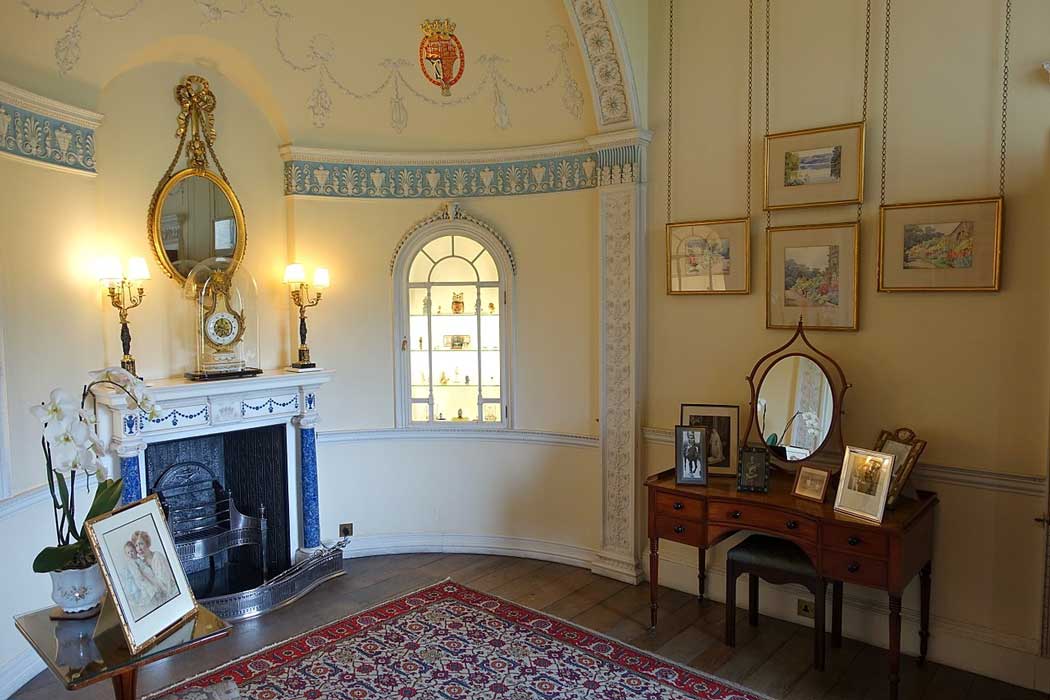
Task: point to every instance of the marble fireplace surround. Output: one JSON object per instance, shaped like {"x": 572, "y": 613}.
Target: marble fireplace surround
{"x": 191, "y": 409}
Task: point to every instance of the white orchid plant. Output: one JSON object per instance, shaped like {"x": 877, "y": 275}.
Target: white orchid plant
{"x": 72, "y": 447}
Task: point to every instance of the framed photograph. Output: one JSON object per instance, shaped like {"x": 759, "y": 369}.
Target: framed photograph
{"x": 723, "y": 434}
{"x": 811, "y": 483}
{"x": 690, "y": 455}
{"x": 906, "y": 449}
{"x": 709, "y": 257}
{"x": 811, "y": 272}
{"x": 864, "y": 483}
{"x": 951, "y": 246}
{"x": 815, "y": 167}
{"x": 142, "y": 571}
{"x": 754, "y": 470}
{"x": 456, "y": 342}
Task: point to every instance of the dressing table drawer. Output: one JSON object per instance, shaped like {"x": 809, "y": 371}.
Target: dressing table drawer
{"x": 678, "y": 530}
{"x": 678, "y": 506}
{"x": 858, "y": 540}
{"x": 840, "y": 566}
{"x": 772, "y": 520}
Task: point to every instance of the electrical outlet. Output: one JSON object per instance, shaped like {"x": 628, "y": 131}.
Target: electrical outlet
{"x": 347, "y": 530}
{"x": 805, "y": 608}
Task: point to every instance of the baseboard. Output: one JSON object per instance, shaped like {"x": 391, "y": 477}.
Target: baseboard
{"x": 969, "y": 647}
{"x": 451, "y": 543}
{"x": 18, "y": 671}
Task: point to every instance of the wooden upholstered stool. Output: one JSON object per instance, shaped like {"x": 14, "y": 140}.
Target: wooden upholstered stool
{"x": 780, "y": 561}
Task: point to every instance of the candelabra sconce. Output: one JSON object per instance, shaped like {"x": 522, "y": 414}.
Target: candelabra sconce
{"x": 126, "y": 289}
{"x": 295, "y": 278}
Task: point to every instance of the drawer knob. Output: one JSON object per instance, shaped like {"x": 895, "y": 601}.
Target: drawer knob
{"x": 678, "y": 505}
{"x": 853, "y": 541}
{"x": 735, "y": 515}
{"x": 853, "y": 568}
{"x": 679, "y": 529}
{"x": 792, "y": 524}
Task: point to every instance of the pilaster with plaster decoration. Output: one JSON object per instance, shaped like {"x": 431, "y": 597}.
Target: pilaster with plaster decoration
{"x": 608, "y": 66}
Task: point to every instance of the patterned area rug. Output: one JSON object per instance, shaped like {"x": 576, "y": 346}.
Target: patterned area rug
{"x": 448, "y": 641}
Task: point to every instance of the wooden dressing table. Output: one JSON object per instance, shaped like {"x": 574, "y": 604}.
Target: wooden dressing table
{"x": 884, "y": 556}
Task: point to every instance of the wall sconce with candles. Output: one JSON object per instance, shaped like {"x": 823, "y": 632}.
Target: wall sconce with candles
{"x": 295, "y": 278}
{"x": 126, "y": 290}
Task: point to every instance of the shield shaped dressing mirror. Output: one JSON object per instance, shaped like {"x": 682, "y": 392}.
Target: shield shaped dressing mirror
{"x": 196, "y": 217}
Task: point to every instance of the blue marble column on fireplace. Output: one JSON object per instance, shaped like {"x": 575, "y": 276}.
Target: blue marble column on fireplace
{"x": 308, "y": 477}
{"x": 128, "y": 448}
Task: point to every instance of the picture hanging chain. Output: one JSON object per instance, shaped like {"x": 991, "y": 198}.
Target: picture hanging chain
{"x": 864, "y": 98}
{"x": 1006, "y": 98}
{"x": 1005, "y": 108}
{"x": 750, "y": 91}
{"x": 769, "y": 11}
{"x": 885, "y": 101}
{"x": 670, "y": 101}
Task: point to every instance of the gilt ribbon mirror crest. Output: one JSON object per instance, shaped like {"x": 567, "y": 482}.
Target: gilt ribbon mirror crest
{"x": 194, "y": 214}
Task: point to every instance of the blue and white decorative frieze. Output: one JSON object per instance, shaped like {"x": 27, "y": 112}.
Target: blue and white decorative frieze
{"x": 311, "y": 401}
{"x": 47, "y": 132}
{"x": 273, "y": 404}
{"x": 362, "y": 175}
{"x": 175, "y": 418}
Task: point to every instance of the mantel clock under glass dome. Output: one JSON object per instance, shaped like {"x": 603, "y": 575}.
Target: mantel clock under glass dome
{"x": 225, "y": 322}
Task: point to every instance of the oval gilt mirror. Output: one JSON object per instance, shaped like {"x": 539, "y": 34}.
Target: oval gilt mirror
{"x": 796, "y": 407}
{"x": 195, "y": 216}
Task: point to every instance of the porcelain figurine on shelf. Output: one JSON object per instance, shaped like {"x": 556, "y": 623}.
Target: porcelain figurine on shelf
{"x": 490, "y": 414}
{"x": 492, "y": 308}
{"x": 457, "y": 302}
{"x": 420, "y": 342}
{"x": 466, "y": 379}
{"x": 426, "y": 305}
{"x": 444, "y": 378}
{"x": 459, "y": 415}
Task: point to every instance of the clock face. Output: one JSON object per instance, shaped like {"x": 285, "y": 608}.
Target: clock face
{"x": 222, "y": 328}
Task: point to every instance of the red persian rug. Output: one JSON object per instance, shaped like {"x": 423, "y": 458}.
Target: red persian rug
{"x": 448, "y": 641}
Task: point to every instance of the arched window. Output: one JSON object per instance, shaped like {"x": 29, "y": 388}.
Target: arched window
{"x": 452, "y": 286}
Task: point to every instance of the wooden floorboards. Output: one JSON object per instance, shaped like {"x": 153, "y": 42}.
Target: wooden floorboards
{"x": 774, "y": 659}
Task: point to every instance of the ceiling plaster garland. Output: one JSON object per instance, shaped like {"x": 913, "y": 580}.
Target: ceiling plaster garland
{"x": 321, "y": 53}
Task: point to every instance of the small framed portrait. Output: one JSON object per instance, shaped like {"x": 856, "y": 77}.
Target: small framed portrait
{"x": 456, "y": 342}
{"x": 723, "y": 425}
{"x": 811, "y": 483}
{"x": 952, "y": 246}
{"x": 146, "y": 582}
{"x": 811, "y": 272}
{"x": 754, "y": 470}
{"x": 864, "y": 483}
{"x": 690, "y": 455}
{"x": 709, "y": 257}
{"x": 906, "y": 449}
{"x": 815, "y": 167}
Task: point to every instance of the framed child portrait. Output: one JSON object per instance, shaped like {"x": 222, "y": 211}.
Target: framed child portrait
{"x": 146, "y": 582}
{"x": 690, "y": 455}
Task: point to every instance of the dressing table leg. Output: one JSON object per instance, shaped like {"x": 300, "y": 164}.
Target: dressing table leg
{"x": 924, "y": 613}
{"x": 124, "y": 684}
{"x": 701, "y": 575}
{"x": 654, "y": 577}
{"x": 895, "y": 645}
{"x": 836, "y": 614}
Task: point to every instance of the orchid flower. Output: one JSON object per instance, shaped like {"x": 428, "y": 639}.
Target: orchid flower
{"x": 59, "y": 408}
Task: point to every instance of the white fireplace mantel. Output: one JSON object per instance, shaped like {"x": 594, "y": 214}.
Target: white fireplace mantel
{"x": 191, "y": 409}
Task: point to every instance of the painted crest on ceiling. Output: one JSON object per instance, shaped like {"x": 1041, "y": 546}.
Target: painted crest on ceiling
{"x": 441, "y": 56}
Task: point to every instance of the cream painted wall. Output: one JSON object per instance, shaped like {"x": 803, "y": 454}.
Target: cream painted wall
{"x": 968, "y": 372}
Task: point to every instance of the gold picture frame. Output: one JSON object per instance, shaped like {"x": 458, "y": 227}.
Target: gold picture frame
{"x": 959, "y": 248}
{"x": 805, "y": 489}
{"x": 733, "y": 250}
{"x": 812, "y": 168}
{"x": 906, "y": 449}
{"x": 818, "y": 307}
{"x": 141, "y": 628}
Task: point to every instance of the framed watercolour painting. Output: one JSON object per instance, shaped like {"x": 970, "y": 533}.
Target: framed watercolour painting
{"x": 709, "y": 257}
{"x": 723, "y": 424}
{"x": 690, "y": 455}
{"x": 815, "y": 167}
{"x": 864, "y": 484}
{"x": 811, "y": 273}
{"x": 906, "y": 449}
{"x": 146, "y": 582}
{"x": 952, "y": 246}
